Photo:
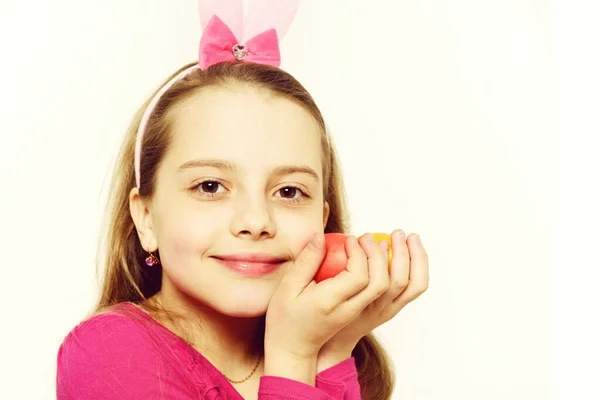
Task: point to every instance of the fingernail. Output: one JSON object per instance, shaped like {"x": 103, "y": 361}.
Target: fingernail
{"x": 400, "y": 235}
{"x": 353, "y": 240}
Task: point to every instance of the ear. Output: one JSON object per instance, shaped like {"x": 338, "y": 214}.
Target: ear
{"x": 325, "y": 213}
{"x": 140, "y": 214}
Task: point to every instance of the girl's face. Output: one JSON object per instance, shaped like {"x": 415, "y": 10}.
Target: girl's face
{"x": 243, "y": 174}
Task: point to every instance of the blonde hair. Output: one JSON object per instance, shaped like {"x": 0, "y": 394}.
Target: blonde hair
{"x": 125, "y": 276}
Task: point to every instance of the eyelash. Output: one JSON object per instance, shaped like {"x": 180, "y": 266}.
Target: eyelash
{"x": 196, "y": 189}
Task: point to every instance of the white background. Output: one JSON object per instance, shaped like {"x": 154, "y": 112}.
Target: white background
{"x": 472, "y": 123}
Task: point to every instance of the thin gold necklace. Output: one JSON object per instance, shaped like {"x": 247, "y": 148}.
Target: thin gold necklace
{"x": 251, "y": 373}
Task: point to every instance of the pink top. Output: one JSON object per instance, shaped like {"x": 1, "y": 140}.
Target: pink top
{"x": 126, "y": 354}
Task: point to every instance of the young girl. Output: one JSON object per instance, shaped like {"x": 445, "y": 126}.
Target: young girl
{"x": 226, "y": 182}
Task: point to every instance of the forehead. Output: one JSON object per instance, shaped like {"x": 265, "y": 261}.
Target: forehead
{"x": 248, "y": 126}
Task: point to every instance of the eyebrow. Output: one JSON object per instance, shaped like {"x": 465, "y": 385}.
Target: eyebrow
{"x": 230, "y": 167}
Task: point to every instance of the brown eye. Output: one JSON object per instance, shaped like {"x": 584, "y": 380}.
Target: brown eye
{"x": 288, "y": 192}
{"x": 292, "y": 194}
{"x": 210, "y": 186}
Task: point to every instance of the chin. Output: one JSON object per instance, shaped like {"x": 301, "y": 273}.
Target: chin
{"x": 249, "y": 308}
{"x": 242, "y": 299}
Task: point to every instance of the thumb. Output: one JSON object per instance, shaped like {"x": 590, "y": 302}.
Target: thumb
{"x": 308, "y": 262}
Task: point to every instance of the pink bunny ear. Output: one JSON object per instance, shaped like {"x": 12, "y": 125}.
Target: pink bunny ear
{"x": 269, "y": 14}
{"x": 231, "y": 12}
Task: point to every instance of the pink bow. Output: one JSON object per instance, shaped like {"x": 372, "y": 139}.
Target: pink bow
{"x": 267, "y": 22}
{"x": 219, "y": 44}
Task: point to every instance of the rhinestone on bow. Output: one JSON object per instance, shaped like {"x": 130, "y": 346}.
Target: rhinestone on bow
{"x": 240, "y": 51}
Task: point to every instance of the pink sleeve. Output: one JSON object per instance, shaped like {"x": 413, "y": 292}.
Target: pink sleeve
{"x": 110, "y": 357}
{"x": 339, "y": 382}
{"x": 343, "y": 378}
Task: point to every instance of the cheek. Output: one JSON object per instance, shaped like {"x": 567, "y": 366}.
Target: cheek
{"x": 182, "y": 236}
{"x": 297, "y": 228}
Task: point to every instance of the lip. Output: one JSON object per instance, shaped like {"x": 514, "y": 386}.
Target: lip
{"x": 251, "y": 264}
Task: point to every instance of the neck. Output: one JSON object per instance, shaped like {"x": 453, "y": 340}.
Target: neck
{"x": 232, "y": 344}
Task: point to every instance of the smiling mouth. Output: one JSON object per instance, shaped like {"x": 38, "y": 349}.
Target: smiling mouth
{"x": 249, "y": 267}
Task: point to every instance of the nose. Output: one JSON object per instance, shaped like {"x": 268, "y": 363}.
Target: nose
{"x": 253, "y": 220}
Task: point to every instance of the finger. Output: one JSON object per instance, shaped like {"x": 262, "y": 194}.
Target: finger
{"x": 377, "y": 257}
{"x": 384, "y": 244}
{"x": 353, "y": 279}
{"x": 418, "y": 281}
{"x": 307, "y": 263}
{"x": 379, "y": 279}
{"x": 400, "y": 268}
{"x": 385, "y": 299}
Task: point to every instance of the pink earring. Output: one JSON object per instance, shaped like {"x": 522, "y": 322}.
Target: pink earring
{"x": 151, "y": 260}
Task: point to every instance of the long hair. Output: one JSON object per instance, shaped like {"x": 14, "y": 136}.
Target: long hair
{"x": 125, "y": 278}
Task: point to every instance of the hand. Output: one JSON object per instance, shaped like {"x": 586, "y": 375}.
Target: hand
{"x": 302, "y": 315}
{"x": 409, "y": 278}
